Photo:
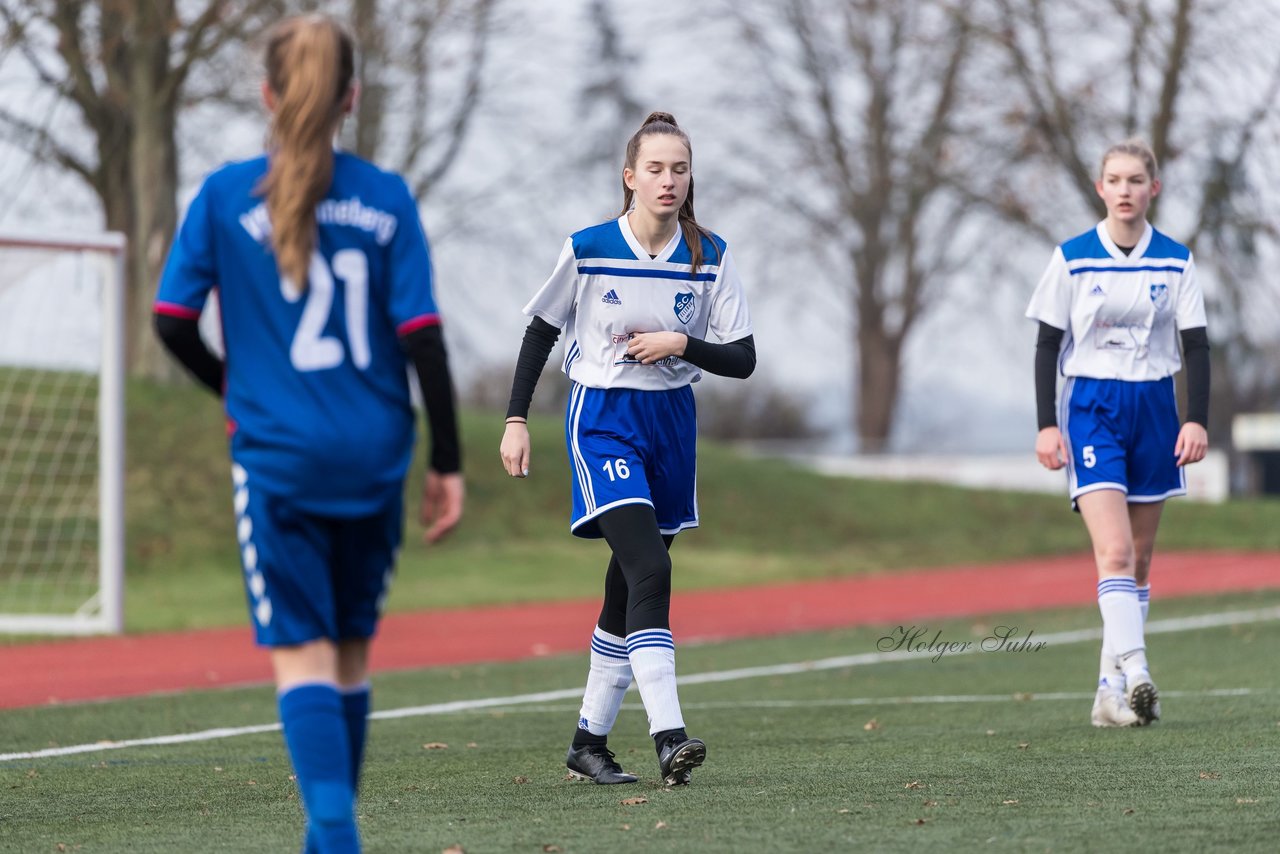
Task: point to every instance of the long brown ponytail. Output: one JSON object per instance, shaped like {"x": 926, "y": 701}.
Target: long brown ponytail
{"x": 693, "y": 233}
{"x": 310, "y": 62}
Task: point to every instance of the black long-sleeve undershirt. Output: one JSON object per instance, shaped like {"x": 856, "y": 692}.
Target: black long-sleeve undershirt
{"x": 539, "y": 339}
{"x": 1048, "y": 343}
{"x": 181, "y": 337}
{"x": 425, "y": 348}
{"x": 734, "y": 359}
{"x": 1195, "y": 351}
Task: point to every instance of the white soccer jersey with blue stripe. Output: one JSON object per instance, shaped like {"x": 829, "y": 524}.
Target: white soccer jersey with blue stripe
{"x": 1121, "y": 312}
{"x": 605, "y": 288}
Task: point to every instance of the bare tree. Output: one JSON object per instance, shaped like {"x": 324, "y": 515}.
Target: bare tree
{"x": 868, "y": 94}
{"x": 608, "y": 109}
{"x": 125, "y": 67}
{"x": 422, "y": 70}
{"x": 1200, "y": 79}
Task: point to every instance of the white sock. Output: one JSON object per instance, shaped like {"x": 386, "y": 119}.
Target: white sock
{"x": 653, "y": 661}
{"x": 1109, "y": 673}
{"x": 1122, "y": 623}
{"x": 1144, "y": 601}
{"x": 607, "y": 682}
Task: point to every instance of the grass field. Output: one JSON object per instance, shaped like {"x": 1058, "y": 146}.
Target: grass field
{"x": 989, "y": 750}
{"x": 762, "y": 521}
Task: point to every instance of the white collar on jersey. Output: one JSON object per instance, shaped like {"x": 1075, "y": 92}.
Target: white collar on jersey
{"x": 641, "y": 253}
{"x": 1115, "y": 252}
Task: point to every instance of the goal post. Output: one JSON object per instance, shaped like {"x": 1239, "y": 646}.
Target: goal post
{"x": 62, "y": 370}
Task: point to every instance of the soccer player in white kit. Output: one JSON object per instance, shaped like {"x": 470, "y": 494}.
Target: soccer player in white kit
{"x": 1109, "y": 305}
{"x": 637, "y": 296}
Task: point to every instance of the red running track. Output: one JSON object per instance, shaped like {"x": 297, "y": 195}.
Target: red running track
{"x": 102, "y": 668}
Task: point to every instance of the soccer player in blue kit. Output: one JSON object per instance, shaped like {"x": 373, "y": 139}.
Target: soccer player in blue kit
{"x": 324, "y": 285}
{"x": 1111, "y": 306}
{"x": 637, "y": 296}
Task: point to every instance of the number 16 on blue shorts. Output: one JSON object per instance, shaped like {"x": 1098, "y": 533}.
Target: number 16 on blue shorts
{"x": 632, "y": 446}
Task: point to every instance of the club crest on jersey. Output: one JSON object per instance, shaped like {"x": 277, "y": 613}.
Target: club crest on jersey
{"x": 611, "y": 298}
{"x": 684, "y": 307}
{"x": 1160, "y": 296}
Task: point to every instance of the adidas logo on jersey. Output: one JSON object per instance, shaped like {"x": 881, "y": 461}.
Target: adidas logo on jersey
{"x": 1097, "y": 291}
{"x": 611, "y": 298}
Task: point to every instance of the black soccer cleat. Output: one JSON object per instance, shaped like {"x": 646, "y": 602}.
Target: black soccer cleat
{"x": 678, "y": 756}
{"x": 595, "y": 762}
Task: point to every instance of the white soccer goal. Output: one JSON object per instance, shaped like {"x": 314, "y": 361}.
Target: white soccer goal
{"x": 61, "y": 433}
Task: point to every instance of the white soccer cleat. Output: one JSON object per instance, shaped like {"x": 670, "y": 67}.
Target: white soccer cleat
{"x": 1143, "y": 698}
{"x": 1111, "y": 710}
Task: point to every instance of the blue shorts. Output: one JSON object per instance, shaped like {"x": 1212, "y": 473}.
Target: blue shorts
{"x": 1121, "y": 435}
{"x": 628, "y": 446}
{"x": 307, "y": 576}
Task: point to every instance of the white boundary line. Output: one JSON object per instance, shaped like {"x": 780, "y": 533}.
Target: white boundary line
{"x": 1180, "y": 624}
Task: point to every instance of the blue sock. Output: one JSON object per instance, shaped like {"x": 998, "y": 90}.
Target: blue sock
{"x": 355, "y": 708}
{"x": 316, "y": 736}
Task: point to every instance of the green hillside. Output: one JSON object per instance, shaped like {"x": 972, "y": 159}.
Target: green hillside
{"x": 762, "y": 521}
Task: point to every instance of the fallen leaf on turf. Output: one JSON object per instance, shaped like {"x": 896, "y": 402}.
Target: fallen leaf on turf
{"x": 871, "y": 724}
{"x": 1009, "y": 801}
{"x": 1023, "y": 745}
{"x": 662, "y": 825}
{"x": 1246, "y": 800}
{"x": 522, "y": 779}
{"x": 550, "y": 848}
{"x": 626, "y": 827}
{"x": 435, "y": 745}
{"x": 62, "y": 846}
{"x": 843, "y": 812}
{"x": 931, "y": 803}
{"x": 472, "y": 744}
{"x": 251, "y": 783}
{"x": 631, "y": 802}
{"x": 1210, "y": 775}
{"x": 454, "y": 849}
{"x": 1129, "y": 811}
{"x": 914, "y": 784}
{"x": 919, "y": 821}
{"x": 216, "y": 768}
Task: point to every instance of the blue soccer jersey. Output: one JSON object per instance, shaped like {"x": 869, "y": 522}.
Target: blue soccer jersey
{"x": 316, "y": 390}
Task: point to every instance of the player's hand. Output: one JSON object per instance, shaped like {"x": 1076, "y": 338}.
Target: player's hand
{"x": 1192, "y": 444}
{"x": 1051, "y": 451}
{"x": 515, "y": 449}
{"x": 650, "y": 347}
{"x": 442, "y": 500}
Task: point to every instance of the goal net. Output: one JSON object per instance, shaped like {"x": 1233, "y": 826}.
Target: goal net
{"x": 61, "y": 433}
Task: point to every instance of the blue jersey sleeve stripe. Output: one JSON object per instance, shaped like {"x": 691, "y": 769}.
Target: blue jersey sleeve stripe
{"x": 646, "y": 274}
{"x": 1151, "y": 269}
